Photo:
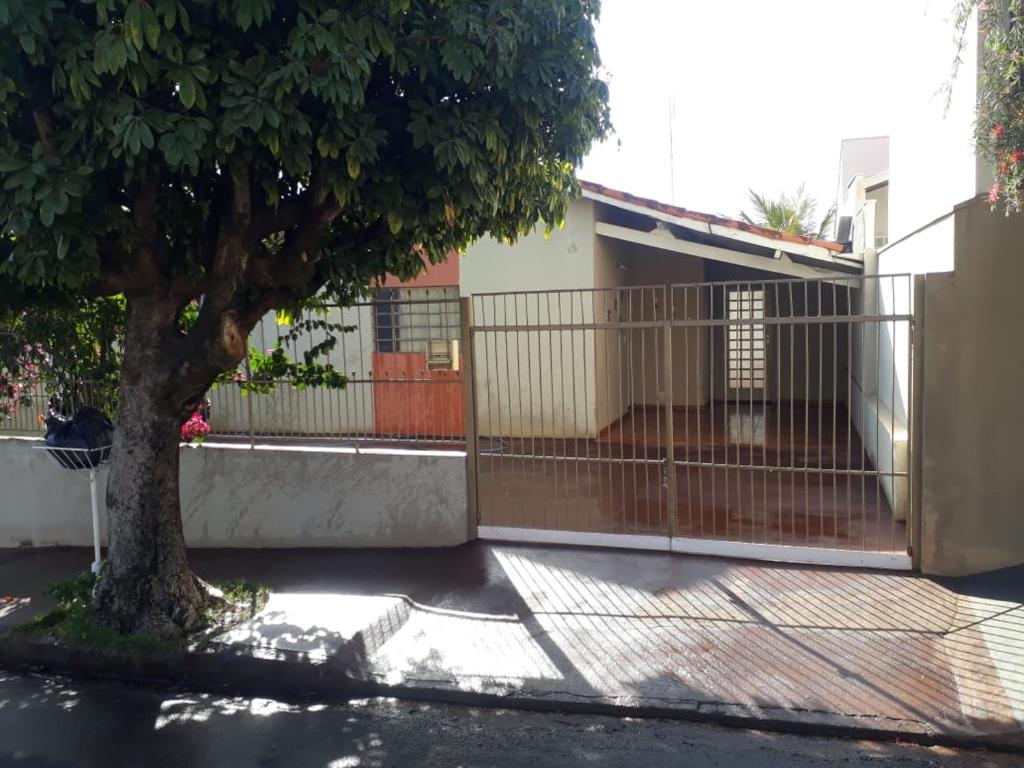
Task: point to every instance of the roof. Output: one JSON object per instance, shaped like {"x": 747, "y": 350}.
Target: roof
{"x": 611, "y": 195}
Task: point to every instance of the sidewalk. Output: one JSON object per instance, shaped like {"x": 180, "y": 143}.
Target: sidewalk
{"x": 825, "y": 649}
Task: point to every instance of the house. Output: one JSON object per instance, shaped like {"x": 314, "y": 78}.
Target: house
{"x": 647, "y": 375}
{"x": 715, "y": 372}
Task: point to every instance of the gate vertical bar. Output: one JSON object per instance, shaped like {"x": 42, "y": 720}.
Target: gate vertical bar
{"x": 469, "y": 415}
{"x": 669, "y": 486}
{"x": 915, "y": 418}
{"x": 248, "y": 403}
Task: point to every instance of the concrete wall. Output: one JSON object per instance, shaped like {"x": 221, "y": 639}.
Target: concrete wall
{"x": 880, "y": 382}
{"x": 536, "y": 383}
{"x": 611, "y": 398}
{"x": 537, "y": 262}
{"x": 651, "y": 266}
{"x": 973, "y": 486}
{"x": 268, "y": 497}
{"x": 631, "y": 364}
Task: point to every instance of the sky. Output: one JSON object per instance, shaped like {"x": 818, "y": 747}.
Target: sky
{"x": 763, "y": 92}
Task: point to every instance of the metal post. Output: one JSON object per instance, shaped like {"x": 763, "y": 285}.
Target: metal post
{"x": 469, "y": 410}
{"x": 94, "y": 493}
{"x": 916, "y": 420}
{"x": 248, "y": 404}
{"x": 670, "y": 438}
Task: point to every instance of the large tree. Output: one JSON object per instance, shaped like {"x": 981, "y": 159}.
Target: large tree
{"x": 250, "y": 154}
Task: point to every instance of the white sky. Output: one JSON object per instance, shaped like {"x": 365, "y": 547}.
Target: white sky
{"x": 763, "y": 91}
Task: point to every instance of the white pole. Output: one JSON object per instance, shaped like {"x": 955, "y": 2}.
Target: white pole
{"x": 671, "y": 150}
{"x": 94, "y": 492}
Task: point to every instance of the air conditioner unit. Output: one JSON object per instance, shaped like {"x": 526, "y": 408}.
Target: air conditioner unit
{"x": 443, "y": 355}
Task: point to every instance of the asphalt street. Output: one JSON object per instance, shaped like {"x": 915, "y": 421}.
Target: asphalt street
{"x": 51, "y": 722}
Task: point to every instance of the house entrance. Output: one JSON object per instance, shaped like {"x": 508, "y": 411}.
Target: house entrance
{"x": 766, "y": 420}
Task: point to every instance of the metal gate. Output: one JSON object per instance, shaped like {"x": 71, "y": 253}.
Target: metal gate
{"x": 753, "y": 419}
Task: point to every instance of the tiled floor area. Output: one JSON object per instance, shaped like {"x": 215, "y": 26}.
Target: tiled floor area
{"x": 788, "y": 475}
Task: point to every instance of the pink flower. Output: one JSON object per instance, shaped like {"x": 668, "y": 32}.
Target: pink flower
{"x": 993, "y": 193}
{"x": 998, "y": 131}
{"x": 195, "y": 428}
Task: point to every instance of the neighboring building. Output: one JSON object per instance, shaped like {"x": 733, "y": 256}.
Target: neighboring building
{"x": 863, "y": 191}
{"x": 925, "y": 214}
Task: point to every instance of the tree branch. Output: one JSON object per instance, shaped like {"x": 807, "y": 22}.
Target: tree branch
{"x": 44, "y": 127}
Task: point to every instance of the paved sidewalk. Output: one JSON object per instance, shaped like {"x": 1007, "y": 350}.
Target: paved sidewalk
{"x": 807, "y": 645}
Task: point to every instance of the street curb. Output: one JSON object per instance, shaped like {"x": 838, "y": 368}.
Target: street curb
{"x": 287, "y": 676}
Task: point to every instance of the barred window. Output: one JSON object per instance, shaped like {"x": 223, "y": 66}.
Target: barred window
{"x": 409, "y": 319}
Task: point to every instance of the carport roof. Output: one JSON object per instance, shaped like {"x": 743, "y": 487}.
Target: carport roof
{"x": 710, "y": 223}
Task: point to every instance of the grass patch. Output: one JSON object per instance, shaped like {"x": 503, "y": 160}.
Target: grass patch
{"x": 73, "y": 627}
{"x": 245, "y": 592}
{"x": 242, "y": 600}
{"x": 70, "y": 623}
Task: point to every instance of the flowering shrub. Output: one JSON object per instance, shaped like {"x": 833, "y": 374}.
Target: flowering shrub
{"x": 12, "y": 394}
{"x": 195, "y": 429}
{"x": 22, "y": 367}
{"x": 70, "y": 353}
{"x": 999, "y": 128}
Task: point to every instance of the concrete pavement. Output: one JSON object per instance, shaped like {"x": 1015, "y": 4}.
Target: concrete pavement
{"x": 798, "y": 646}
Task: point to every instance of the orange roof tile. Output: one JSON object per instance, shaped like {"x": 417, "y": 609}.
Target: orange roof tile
{"x": 707, "y": 218}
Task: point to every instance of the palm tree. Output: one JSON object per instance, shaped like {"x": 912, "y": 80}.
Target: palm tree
{"x": 793, "y": 214}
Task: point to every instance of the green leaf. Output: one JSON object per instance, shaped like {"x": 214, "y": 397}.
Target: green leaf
{"x": 28, "y": 43}
{"x": 47, "y": 212}
{"x": 187, "y": 91}
{"x": 151, "y": 27}
{"x": 145, "y": 135}
{"x": 394, "y": 222}
{"x": 133, "y": 24}
{"x": 12, "y": 164}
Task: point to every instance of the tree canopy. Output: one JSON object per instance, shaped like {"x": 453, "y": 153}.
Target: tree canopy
{"x": 210, "y": 160}
{"x": 138, "y": 134}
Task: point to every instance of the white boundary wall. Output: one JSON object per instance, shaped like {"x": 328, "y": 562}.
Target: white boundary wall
{"x": 234, "y": 496}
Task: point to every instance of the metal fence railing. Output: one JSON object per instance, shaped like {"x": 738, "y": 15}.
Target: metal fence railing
{"x": 401, "y": 355}
{"x": 26, "y": 410}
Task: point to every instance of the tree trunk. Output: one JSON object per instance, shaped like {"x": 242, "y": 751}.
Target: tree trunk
{"x": 146, "y": 584}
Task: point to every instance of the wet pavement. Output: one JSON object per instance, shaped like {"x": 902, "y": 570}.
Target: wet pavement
{"x": 759, "y": 473}
{"x": 52, "y": 722}
{"x": 772, "y": 643}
